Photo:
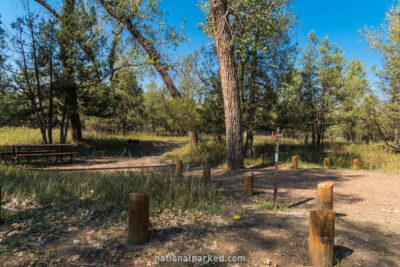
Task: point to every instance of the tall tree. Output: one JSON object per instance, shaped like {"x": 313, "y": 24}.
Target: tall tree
{"x": 233, "y": 122}
{"x": 34, "y": 74}
{"x": 386, "y": 40}
{"x": 81, "y": 48}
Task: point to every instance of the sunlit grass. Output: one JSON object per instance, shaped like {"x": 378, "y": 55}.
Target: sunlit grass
{"x": 25, "y": 135}
{"x": 373, "y": 156}
{"x": 108, "y": 190}
{"x": 208, "y": 152}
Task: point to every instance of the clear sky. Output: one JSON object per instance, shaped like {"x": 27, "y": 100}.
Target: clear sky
{"x": 340, "y": 20}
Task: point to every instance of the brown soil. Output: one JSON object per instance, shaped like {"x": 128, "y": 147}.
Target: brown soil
{"x": 367, "y": 207}
{"x": 367, "y": 233}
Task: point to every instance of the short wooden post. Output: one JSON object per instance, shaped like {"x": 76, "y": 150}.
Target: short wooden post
{"x": 294, "y": 162}
{"x": 321, "y": 237}
{"x": 138, "y": 221}
{"x": 399, "y": 168}
{"x": 178, "y": 168}
{"x": 248, "y": 182}
{"x": 355, "y": 164}
{"x": 326, "y": 163}
{"x": 325, "y": 195}
{"x": 206, "y": 173}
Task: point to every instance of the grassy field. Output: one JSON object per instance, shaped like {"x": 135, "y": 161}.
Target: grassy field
{"x": 95, "y": 144}
{"x": 51, "y": 205}
{"x": 373, "y": 156}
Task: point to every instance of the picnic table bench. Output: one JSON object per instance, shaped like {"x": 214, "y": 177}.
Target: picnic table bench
{"x": 30, "y": 151}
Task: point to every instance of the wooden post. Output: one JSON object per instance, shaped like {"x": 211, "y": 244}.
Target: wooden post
{"x": 138, "y": 222}
{"x": 276, "y": 168}
{"x": 206, "y": 173}
{"x": 248, "y": 182}
{"x": 325, "y": 196}
{"x": 399, "y": 168}
{"x": 326, "y": 163}
{"x": 355, "y": 164}
{"x": 321, "y": 237}
{"x": 178, "y": 168}
{"x": 294, "y": 162}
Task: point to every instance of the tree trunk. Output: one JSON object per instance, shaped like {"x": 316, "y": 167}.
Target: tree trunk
{"x": 50, "y": 115}
{"x": 249, "y": 144}
{"x": 76, "y": 126}
{"x": 313, "y": 134}
{"x": 306, "y": 145}
{"x": 230, "y": 90}
{"x": 193, "y": 138}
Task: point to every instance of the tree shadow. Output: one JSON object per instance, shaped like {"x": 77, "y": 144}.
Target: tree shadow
{"x": 340, "y": 253}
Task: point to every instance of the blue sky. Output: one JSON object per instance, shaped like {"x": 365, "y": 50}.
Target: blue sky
{"x": 340, "y": 20}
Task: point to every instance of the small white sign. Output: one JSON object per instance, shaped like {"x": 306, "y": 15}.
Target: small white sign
{"x": 276, "y": 157}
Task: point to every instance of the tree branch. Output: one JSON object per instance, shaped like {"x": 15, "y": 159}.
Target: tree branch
{"x": 49, "y": 8}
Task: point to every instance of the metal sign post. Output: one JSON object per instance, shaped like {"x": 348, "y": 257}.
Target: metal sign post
{"x": 276, "y": 167}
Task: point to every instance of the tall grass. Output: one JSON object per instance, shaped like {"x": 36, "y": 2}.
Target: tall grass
{"x": 95, "y": 144}
{"x": 208, "y": 152}
{"x": 109, "y": 190}
{"x": 373, "y": 156}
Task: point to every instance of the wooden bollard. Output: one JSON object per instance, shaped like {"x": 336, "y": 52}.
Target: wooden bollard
{"x": 138, "y": 221}
{"x": 294, "y": 162}
{"x": 326, "y": 163}
{"x": 321, "y": 237}
{"x": 355, "y": 164}
{"x": 399, "y": 168}
{"x": 206, "y": 173}
{"x": 178, "y": 168}
{"x": 248, "y": 182}
{"x": 325, "y": 196}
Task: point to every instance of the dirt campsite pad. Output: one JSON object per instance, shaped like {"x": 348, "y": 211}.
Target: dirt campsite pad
{"x": 367, "y": 226}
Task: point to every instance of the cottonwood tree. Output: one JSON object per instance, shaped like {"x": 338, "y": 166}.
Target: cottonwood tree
{"x": 220, "y": 16}
{"x": 386, "y": 40}
{"x": 144, "y": 21}
{"x": 264, "y": 56}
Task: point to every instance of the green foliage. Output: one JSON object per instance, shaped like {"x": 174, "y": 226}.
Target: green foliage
{"x": 386, "y": 41}
{"x": 154, "y": 102}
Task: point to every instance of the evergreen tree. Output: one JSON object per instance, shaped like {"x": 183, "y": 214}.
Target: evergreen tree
{"x": 386, "y": 41}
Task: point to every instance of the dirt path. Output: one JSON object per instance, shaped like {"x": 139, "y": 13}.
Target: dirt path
{"x": 367, "y": 206}
{"x": 367, "y": 233}
{"x": 152, "y": 161}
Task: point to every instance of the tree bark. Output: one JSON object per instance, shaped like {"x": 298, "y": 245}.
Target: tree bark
{"x": 193, "y": 138}
{"x": 230, "y": 89}
{"x": 306, "y": 144}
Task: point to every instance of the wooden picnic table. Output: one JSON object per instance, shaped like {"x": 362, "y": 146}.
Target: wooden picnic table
{"x": 30, "y": 150}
